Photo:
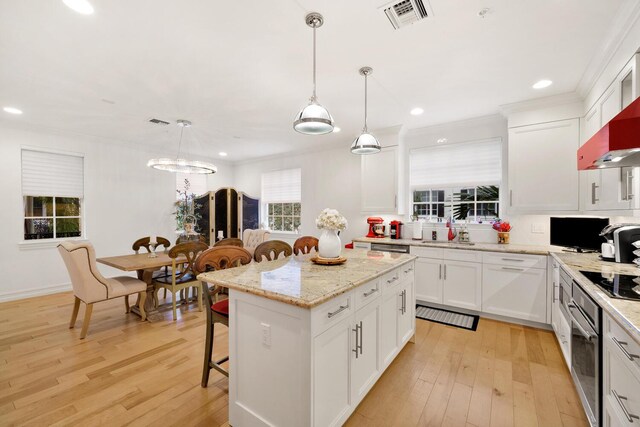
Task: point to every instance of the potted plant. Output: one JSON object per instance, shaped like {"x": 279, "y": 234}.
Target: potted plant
{"x": 186, "y": 212}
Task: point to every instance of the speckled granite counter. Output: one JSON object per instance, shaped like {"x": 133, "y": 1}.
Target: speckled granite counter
{"x": 296, "y": 280}
{"x": 486, "y": 247}
{"x": 626, "y": 313}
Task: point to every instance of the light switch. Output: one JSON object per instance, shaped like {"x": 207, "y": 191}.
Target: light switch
{"x": 266, "y": 334}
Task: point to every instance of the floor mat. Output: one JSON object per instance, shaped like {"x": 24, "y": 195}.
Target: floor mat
{"x": 447, "y": 317}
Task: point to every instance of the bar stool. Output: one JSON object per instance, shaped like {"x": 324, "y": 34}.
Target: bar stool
{"x": 217, "y": 258}
{"x": 305, "y": 244}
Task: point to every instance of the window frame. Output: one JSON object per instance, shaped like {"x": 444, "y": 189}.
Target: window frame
{"x": 450, "y": 203}
{"x": 54, "y": 217}
{"x": 264, "y": 205}
{"x": 283, "y": 216}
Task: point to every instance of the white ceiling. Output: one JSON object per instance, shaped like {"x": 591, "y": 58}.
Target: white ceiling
{"x": 241, "y": 70}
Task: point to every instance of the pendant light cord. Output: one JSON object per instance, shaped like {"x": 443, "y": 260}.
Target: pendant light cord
{"x": 314, "y": 62}
{"x": 180, "y": 142}
{"x": 365, "y": 102}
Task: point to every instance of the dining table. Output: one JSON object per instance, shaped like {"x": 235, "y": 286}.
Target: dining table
{"x": 145, "y": 266}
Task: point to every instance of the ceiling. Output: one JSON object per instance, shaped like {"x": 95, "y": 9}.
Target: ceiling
{"x": 241, "y": 70}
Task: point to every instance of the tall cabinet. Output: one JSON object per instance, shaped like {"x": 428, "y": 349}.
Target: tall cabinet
{"x": 228, "y": 211}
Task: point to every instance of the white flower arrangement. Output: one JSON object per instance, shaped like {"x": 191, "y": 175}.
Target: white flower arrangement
{"x": 330, "y": 219}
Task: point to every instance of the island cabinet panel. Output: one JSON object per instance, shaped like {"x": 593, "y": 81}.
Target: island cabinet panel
{"x": 331, "y": 373}
{"x": 388, "y": 327}
{"x": 365, "y": 360}
{"x": 428, "y": 279}
{"x": 518, "y": 292}
{"x": 463, "y": 284}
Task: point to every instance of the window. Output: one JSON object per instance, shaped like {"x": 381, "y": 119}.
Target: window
{"x": 52, "y": 190}
{"x": 197, "y": 183}
{"x": 281, "y": 194}
{"x": 459, "y": 180}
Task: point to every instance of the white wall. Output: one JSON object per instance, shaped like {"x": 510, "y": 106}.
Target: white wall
{"x": 124, "y": 200}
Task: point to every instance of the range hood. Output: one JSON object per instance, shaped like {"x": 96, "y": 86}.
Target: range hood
{"x": 616, "y": 145}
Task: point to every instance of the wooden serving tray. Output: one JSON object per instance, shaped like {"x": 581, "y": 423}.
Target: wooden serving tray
{"x": 328, "y": 261}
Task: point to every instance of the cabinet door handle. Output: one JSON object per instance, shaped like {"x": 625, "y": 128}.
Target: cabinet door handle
{"x": 445, "y": 272}
{"x": 510, "y": 198}
{"x": 440, "y": 272}
{"x": 393, "y": 279}
{"x": 395, "y": 201}
{"x": 408, "y": 270}
{"x": 593, "y": 193}
{"x": 361, "y": 334}
{"x": 513, "y": 259}
{"x": 512, "y": 268}
{"x": 355, "y": 350}
{"x": 621, "y": 345}
{"x": 339, "y": 310}
{"x": 372, "y": 291}
{"x": 620, "y": 399}
{"x": 553, "y": 297}
{"x": 629, "y": 184}
{"x": 403, "y": 301}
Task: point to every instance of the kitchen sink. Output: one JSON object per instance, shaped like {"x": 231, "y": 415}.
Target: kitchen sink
{"x": 442, "y": 242}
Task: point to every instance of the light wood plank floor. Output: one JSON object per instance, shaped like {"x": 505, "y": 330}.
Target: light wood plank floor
{"x": 131, "y": 373}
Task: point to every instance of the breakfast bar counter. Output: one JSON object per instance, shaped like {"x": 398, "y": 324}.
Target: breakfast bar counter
{"x": 307, "y": 341}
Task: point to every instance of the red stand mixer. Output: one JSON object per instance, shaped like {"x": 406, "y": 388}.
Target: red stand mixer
{"x": 376, "y": 227}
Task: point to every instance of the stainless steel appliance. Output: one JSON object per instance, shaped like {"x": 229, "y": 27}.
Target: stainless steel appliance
{"x": 385, "y": 247}
{"x": 620, "y": 238}
{"x": 622, "y": 286}
{"x": 564, "y": 294}
{"x": 586, "y": 351}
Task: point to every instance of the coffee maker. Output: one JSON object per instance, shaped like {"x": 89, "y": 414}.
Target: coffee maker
{"x": 619, "y": 238}
{"x": 395, "y": 229}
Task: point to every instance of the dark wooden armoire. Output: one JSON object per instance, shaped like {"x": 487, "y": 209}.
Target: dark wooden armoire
{"x": 226, "y": 210}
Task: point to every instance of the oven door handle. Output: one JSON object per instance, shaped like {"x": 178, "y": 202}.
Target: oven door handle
{"x": 588, "y": 335}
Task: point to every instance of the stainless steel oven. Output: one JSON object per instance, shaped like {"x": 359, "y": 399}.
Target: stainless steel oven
{"x": 586, "y": 351}
{"x": 564, "y": 294}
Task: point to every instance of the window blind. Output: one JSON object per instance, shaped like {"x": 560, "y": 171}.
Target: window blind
{"x": 52, "y": 174}
{"x": 284, "y": 186}
{"x": 197, "y": 181}
{"x": 467, "y": 164}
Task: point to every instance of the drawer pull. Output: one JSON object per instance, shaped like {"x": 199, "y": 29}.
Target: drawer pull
{"x": 393, "y": 279}
{"x": 339, "y": 310}
{"x": 620, "y": 399}
{"x": 408, "y": 271}
{"x": 512, "y": 268}
{"x": 366, "y": 294}
{"x": 513, "y": 259}
{"x": 621, "y": 345}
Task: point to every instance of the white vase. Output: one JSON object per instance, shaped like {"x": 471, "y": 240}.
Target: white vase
{"x": 329, "y": 245}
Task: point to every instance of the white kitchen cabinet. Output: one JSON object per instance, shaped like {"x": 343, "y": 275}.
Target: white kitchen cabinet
{"x": 543, "y": 175}
{"x": 428, "y": 280}
{"x": 405, "y": 312}
{"x": 463, "y": 284}
{"x": 388, "y": 327}
{"x": 365, "y": 359}
{"x": 519, "y": 292}
{"x": 379, "y": 183}
{"x": 331, "y": 373}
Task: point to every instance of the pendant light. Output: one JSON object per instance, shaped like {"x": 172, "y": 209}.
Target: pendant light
{"x": 182, "y": 165}
{"x": 365, "y": 143}
{"x": 314, "y": 119}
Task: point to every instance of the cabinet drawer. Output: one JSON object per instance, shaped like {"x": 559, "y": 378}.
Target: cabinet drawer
{"x": 462, "y": 255}
{"x": 623, "y": 345}
{"x": 406, "y": 271}
{"x": 425, "y": 252}
{"x": 332, "y": 312}
{"x": 366, "y": 293}
{"x": 390, "y": 279}
{"x": 621, "y": 388}
{"x": 515, "y": 260}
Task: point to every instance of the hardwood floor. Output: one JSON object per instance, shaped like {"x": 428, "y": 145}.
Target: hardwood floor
{"x": 131, "y": 373}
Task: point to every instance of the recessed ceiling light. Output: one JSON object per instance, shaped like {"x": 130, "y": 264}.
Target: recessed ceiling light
{"x": 542, "y": 84}
{"x": 81, "y": 6}
{"x": 222, "y": 154}
{"x": 417, "y": 111}
{"x": 12, "y": 110}
{"x": 336, "y": 129}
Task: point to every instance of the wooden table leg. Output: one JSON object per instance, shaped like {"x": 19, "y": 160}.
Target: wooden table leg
{"x": 149, "y": 304}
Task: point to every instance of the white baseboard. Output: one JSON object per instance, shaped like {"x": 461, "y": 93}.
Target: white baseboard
{"x": 34, "y": 292}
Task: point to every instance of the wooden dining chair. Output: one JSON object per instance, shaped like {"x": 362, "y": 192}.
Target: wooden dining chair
{"x": 229, "y": 241}
{"x": 271, "y": 250}
{"x": 305, "y": 244}
{"x": 183, "y": 275}
{"x": 143, "y": 242}
{"x": 218, "y": 258}
{"x": 90, "y": 287}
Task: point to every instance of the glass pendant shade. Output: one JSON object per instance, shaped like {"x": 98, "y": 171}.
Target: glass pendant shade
{"x": 365, "y": 144}
{"x": 182, "y": 166}
{"x": 313, "y": 119}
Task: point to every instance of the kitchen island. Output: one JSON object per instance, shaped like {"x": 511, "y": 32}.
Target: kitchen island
{"x": 307, "y": 342}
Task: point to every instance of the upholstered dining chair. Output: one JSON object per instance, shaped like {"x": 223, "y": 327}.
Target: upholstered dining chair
{"x": 271, "y": 250}
{"x": 305, "y": 244}
{"x": 183, "y": 275}
{"x": 230, "y": 241}
{"x": 218, "y": 258}
{"x": 90, "y": 287}
{"x": 252, "y": 238}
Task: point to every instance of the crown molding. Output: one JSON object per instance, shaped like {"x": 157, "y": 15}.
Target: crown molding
{"x": 491, "y": 119}
{"x": 627, "y": 17}
{"x": 539, "y": 103}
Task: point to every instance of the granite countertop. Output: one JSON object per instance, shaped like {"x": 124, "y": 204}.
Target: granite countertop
{"x": 486, "y": 247}
{"x": 298, "y": 281}
{"x": 626, "y": 313}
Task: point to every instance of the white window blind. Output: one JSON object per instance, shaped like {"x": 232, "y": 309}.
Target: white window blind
{"x": 52, "y": 174}
{"x": 468, "y": 164}
{"x": 197, "y": 181}
{"x": 284, "y": 186}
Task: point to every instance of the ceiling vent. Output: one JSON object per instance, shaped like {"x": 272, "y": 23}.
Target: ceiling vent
{"x": 407, "y": 12}
{"x": 158, "y": 122}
